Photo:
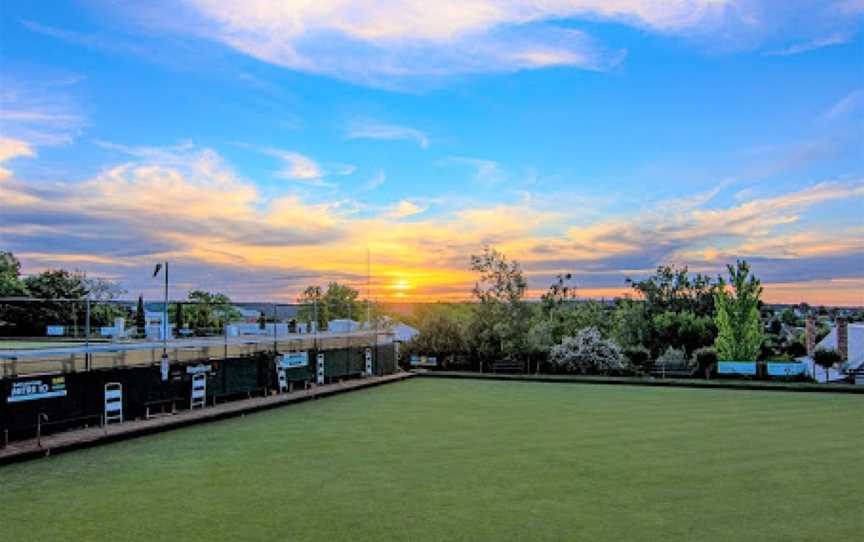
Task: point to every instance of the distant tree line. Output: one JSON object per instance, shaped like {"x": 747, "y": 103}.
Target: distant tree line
{"x": 676, "y": 318}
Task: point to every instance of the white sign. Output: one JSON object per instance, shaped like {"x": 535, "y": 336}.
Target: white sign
{"x": 199, "y": 391}
{"x": 320, "y": 370}
{"x": 195, "y": 369}
{"x": 294, "y": 359}
{"x": 113, "y": 402}
{"x": 31, "y": 390}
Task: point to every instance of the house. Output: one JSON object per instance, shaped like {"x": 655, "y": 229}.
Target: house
{"x": 248, "y": 316}
{"x": 848, "y": 340}
{"x": 342, "y": 325}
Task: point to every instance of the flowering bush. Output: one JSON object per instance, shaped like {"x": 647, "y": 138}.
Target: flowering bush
{"x": 588, "y": 352}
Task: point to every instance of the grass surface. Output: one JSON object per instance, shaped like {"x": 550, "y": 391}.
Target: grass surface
{"x": 433, "y": 459}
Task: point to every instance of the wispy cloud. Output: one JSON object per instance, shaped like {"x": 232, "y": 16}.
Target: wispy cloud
{"x": 851, "y": 102}
{"x": 377, "y": 180}
{"x": 187, "y": 203}
{"x": 812, "y": 45}
{"x": 375, "y": 130}
{"x": 486, "y": 172}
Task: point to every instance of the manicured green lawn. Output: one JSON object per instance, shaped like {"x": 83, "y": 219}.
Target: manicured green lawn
{"x": 467, "y": 460}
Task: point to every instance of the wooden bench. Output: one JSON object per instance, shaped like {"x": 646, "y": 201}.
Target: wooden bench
{"x": 161, "y": 403}
{"x": 508, "y": 366}
{"x": 671, "y": 371}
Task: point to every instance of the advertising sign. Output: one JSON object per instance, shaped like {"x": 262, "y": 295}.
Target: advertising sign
{"x": 424, "y": 361}
{"x": 163, "y": 367}
{"x": 294, "y": 359}
{"x": 747, "y": 368}
{"x": 202, "y": 368}
{"x": 786, "y": 369}
{"x": 40, "y": 388}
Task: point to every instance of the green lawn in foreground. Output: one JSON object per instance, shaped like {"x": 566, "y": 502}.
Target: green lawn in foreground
{"x": 467, "y": 460}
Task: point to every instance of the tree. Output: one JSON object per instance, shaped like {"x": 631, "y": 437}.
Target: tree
{"x": 179, "y": 321}
{"x": 102, "y": 294}
{"x": 11, "y": 284}
{"x": 313, "y": 307}
{"x": 674, "y": 289}
{"x": 209, "y": 311}
{"x": 500, "y": 322}
{"x": 62, "y": 294}
{"x": 739, "y": 329}
{"x": 442, "y": 332}
{"x": 587, "y": 352}
{"x": 826, "y": 358}
{"x": 140, "y": 318}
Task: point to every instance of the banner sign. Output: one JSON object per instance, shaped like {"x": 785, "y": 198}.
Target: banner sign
{"x": 368, "y": 360}
{"x": 424, "y": 361}
{"x": 294, "y": 359}
{"x": 747, "y": 368}
{"x": 786, "y": 369}
{"x": 43, "y": 388}
{"x": 195, "y": 369}
{"x": 163, "y": 367}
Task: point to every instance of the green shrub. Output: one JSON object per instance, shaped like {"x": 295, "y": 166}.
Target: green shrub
{"x": 704, "y": 360}
{"x": 638, "y": 356}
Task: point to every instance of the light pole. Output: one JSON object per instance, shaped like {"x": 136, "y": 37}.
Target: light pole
{"x": 164, "y": 363}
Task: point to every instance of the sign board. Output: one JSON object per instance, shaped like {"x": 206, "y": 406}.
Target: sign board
{"x": 199, "y": 390}
{"x": 292, "y": 360}
{"x": 55, "y": 331}
{"x": 368, "y": 357}
{"x": 200, "y": 368}
{"x": 319, "y": 373}
{"x": 786, "y": 369}
{"x": 163, "y": 367}
{"x": 113, "y": 402}
{"x": 37, "y": 388}
{"x": 424, "y": 361}
{"x": 746, "y": 368}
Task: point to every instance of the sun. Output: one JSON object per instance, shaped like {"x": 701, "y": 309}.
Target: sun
{"x": 400, "y": 287}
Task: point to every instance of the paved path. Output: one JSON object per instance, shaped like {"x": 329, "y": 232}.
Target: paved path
{"x": 84, "y": 438}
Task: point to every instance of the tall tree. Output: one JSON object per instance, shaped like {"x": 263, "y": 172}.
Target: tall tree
{"x": 179, "y": 321}
{"x": 739, "y": 327}
{"x": 500, "y": 324}
{"x": 140, "y": 318}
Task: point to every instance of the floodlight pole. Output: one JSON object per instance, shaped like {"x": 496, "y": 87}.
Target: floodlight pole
{"x": 165, "y": 316}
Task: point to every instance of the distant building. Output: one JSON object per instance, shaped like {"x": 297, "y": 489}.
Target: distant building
{"x": 848, "y": 340}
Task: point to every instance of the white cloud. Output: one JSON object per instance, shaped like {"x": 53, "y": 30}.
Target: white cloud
{"x": 404, "y": 209}
{"x": 374, "y": 130}
{"x": 12, "y": 148}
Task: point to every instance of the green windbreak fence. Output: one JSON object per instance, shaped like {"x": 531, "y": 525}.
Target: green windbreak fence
{"x": 60, "y": 401}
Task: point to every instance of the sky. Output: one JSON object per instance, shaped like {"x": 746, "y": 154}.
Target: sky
{"x": 263, "y": 146}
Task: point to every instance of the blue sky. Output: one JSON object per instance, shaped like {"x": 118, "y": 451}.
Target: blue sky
{"x": 262, "y": 146}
